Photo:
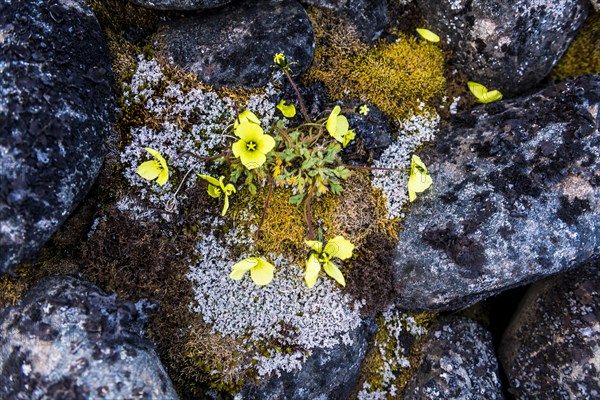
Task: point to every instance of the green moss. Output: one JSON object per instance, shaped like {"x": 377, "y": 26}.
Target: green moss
{"x": 394, "y": 76}
{"x": 583, "y": 56}
{"x": 12, "y": 287}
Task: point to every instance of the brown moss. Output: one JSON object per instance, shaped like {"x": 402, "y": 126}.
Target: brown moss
{"x": 12, "y": 287}
{"x": 583, "y": 55}
{"x": 396, "y": 77}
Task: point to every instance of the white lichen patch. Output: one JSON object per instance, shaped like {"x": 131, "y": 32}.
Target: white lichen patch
{"x": 413, "y": 132}
{"x": 398, "y": 328}
{"x": 286, "y": 317}
{"x": 189, "y": 125}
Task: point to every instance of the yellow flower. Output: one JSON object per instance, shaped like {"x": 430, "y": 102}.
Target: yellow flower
{"x": 337, "y": 126}
{"x": 280, "y": 60}
{"x": 261, "y": 271}
{"x": 288, "y": 111}
{"x": 428, "y": 35}
{"x": 364, "y": 109}
{"x": 245, "y": 116}
{"x": 418, "y": 181}
{"x": 482, "y": 94}
{"x": 338, "y": 247}
{"x": 216, "y": 188}
{"x": 154, "y": 169}
{"x": 253, "y": 145}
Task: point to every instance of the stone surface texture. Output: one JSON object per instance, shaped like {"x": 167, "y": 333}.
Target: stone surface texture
{"x": 514, "y": 199}
{"x": 56, "y": 107}
{"x": 368, "y": 17}
{"x": 327, "y": 374}
{"x": 69, "y": 340}
{"x": 506, "y": 45}
{"x": 551, "y": 349}
{"x": 180, "y": 5}
{"x": 235, "y": 45}
{"x": 457, "y": 362}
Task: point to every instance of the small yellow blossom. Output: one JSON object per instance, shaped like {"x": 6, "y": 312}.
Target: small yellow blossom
{"x": 253, "y": 145}
{"x": 337, "y": 126}
{"x": 338, "y": 247}
{"x": 364, "y": 109}
{"x": 418, "y": 181}
{"x": 261, "y": 271}
{"x": 217, "y": 187}
{"x": 154, "y": 169}
{"x": 288, "y": 111}
{"x": 280, "y": 61}
{"x": 245, "y": 116}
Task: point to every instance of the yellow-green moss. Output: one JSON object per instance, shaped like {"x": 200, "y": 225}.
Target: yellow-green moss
{"x": 583, "y": 56}
{"x": 397, "y": 77}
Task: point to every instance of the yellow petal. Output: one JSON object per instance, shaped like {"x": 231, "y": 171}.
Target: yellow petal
{"x": 238, "y": 148}
{"x": 248, "y": 131}
{"x": 213, "y": 191}
{"x": 149, "y": 170}
{"x": 229, "y": 189}
{"x": 418, "y": 180}
{"x": 313, "y": 266}
{"x": 252, "y": 159}
{"x": 288, "y": 111}
{"x": 334, "y": 272}
{"x": 331, "y": 124}
{"x": 210, "y": 179}
{"x": 245, "y": 116}
{"x": 428, "y": 35}
{"x": 492, "y": 95}
{"x": 239, "y": 269}
{"x": 262, "y": 274}
{"x": 163, "y": 177}
{"x": 482, "y": 94}
{"x": 412, "y": 196}
{"x": 266, "y": 144}
{"x": 314, "y": 245}
{"x": 156, "y": 154}
{"x": 339, "y": 247}
{"x": 225, "y": 206}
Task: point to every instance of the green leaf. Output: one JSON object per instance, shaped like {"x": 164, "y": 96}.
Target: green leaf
{"x": 336, "y": 188}
{"x": 297, "y": 199}
{"x": 309, "y": 163}
{"x": 252, "y": 188}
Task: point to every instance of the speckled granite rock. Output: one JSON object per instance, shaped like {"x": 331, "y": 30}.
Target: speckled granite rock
{"x": 180, "y": 4}
{"x": 69, "y": 340}
{"x": 457, "y": 362}
{"x": 368, "y": 17}
{"x": 327, "y": 374}
{"x": 515, "y": 198}
{"x": 506, "y": 45}
{"x": 235, "y": 45}
{"x": 551, "y": 349}
{"x": 56, "y": 106}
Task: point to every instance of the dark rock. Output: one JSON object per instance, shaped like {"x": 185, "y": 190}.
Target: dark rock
{"x": 457, "y": 362}
{"x": 367, "y": 17}
{"x": 67, "y": 339}
{"x": 56, "y": 106}
{"x": 235, "y": 45}
{"x": 372, "y": 135}
{"x": 510, "y": 46}
{"x": 514, "y": 199}
{"x": 550, "y": 350}
{"x": 176, "y": 5}
{"x": 327, "y": 374}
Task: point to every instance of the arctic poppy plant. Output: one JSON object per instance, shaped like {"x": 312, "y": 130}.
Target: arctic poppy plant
{"x": 253, "y": 145}
{"x": 338, "y": 247}
{"x": 419, "y": 180}
{"x": 216, "y": 188}
{"x": 154, "y": 169}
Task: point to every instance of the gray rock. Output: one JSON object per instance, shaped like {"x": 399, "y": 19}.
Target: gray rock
{"x": 457, "y": 362}
{"x": 514, "y": 198}
{"x": 176, "y": 5}
{"x": 235, "y": 45}
{"x": 327, "y": 374}
{"x": 56, "y": 106}
{"x": 368, "y": 17}
{"x": 550, "y": 350}
{"x": 69, "y": 340}
{"x": 506, "y": 45}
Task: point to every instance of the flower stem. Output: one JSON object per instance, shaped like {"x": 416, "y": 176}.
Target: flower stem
{"x": 308, "y": 208}
{"x": 300, "y": 101}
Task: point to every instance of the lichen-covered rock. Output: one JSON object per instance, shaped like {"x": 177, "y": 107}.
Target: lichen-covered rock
{"x": 326, "y": 374}
{"x": 510, "y": 46}
{"x": 457, "y": 362}
{"x": 514, "y": 198}
{"x": 551, "y": 348}
{"x": 180, "y": 4}
{"x": 235, "y": 45}
{"x": 368, "y": 17}
{"x": 69, "y": 340}
{"x": 56, "y": 106}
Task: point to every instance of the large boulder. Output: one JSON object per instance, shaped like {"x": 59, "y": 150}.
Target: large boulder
{"x": 506, "y": 45}
{"x": 180, "y": 5}
{"x": 514, "y": 199}
{"x": 550, "y": 350}
{"x": 56, "y": 107}
{"x": 67, "y": 339}
{"x": 457, "y": 362}
{"x": 235, "y": 45}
